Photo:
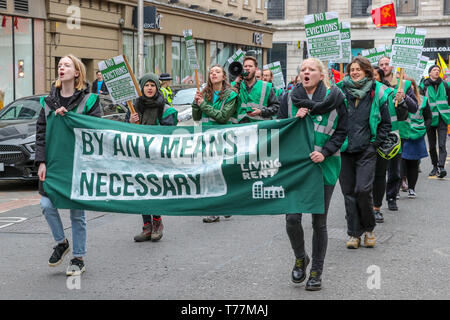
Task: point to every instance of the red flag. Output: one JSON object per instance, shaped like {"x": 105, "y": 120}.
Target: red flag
{"x": 336, "y": 75}
{"x": 16, "y": 23}
{"x": 384, "y": 16}
{"x": 4, "y": 22}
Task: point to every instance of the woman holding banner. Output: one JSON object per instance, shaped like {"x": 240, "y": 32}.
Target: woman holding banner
{"x": 151, "y": 109}
{"x": 216, "y": 104}
{"x": 325, "y": 106}
{"x": 68, "y": 94}
{"x": 369, "y": 124}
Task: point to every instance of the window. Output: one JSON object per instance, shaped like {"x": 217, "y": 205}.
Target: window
{"x": 275, "y": 10}
{"x": 446, "y": 7}
{"x": 317, "y": 6}
{"x": 3, "y": 4}
{"x": 21, "y": 5}
{"x": 407, "y": 7}
{"x": 360, "y": 8}
{"x": 246, "y": 3}
{"x": 181, "y": 72}
{"x": 278, "y": 53}
{"x": 259, "y": 4}
{"x": 154, "y": 52}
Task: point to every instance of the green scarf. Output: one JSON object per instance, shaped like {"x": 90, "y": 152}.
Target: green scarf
{"x": 358, "y": 89}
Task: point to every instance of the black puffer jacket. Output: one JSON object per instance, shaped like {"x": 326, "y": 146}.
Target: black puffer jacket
{"x": 53, "y": 101}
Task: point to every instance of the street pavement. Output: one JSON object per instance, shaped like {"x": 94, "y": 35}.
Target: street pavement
{"x": 244, "y": 257}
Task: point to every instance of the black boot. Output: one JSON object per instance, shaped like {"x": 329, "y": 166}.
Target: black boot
{"x": 441, "y": 173}
{"x": 314, "y": 282}
{"x": 299, "y": 270}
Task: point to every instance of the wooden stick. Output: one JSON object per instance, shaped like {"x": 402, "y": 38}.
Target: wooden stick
{"x": 341, "y": 70}
{"x": 132, "y": 111}
{"x": 400, "y": 84}
{"x": 196, "y": 79}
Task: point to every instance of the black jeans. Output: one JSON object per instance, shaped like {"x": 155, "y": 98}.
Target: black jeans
{"x": 148, "y": 218}
{"x": 394, "y": 179}
{"x": 356, "y": 180}
{"x": 442, "y": 139}
{"x": 379, "y": 182}
{"x": 294, "y": 230}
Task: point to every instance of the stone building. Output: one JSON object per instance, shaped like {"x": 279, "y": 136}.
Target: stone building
{"x": 287, "y": 16}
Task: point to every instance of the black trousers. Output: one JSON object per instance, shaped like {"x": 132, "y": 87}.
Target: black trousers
{"x": 394, "y": 179}
{"x": 295, "y": 233}
{"x": 379, "y": 182}
{"x": 356, "y": 180}
{"x": 441, "y": 132}
{"x": 411, "y": 169}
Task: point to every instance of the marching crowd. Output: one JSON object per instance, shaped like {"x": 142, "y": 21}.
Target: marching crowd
{"x": 369, "y": 133}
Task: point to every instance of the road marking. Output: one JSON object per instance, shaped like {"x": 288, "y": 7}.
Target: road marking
{"x": 19, "y": 203}
{"x": 9, "y": 221}
{"x": 436, "y": 178}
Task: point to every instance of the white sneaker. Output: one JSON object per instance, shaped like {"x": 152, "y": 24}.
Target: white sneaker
{"x": 411, "y": 194}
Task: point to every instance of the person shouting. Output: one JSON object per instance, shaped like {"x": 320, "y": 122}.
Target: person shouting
{"x": 314, "y": 98}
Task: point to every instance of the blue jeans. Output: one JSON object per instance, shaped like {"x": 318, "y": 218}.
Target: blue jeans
{"x": 78, "y": 219}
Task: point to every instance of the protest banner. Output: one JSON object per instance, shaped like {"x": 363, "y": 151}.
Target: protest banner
{"x": 278, "y": 79}
{"x": 417, "y": 73}
{"x": 323, "y": 36}
{"x": 374, "y": 54}
{"x": 237, "y": 56}
{"x": 120, "y": 80}
{"x": 109, "y": 166}
{"x": 346, "y": 43}
{"x": 407, "y": 47}
{"x": 192, "y": 54}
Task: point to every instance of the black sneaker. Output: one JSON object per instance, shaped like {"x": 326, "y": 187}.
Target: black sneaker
{"x": 59, "y": 252}
{"x": 433, "y": 172}
{"x": 76, "y": 267}
{"x": 378, "y": 216}
{"x": 392, "y": 205}
{"x": 314, "y": 282}
{"x": 299, "y": 270}
{"x": 441, "y": 173}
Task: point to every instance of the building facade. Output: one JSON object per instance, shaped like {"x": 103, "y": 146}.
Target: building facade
{"x": 287, "y": 16}
{"x": 34, "y": 35}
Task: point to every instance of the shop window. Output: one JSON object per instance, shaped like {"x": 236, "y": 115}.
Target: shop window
{"x": 317, "y": 6}
{"x": 360, "y": 8}
{"x": 407, "y": 7}
{"x": 21, "y": 5}
{"x": 254, "y": 52}
{"x": 275, "y": 10}
{"x": 278, "y": 53}
{"x": 447, "y": 7}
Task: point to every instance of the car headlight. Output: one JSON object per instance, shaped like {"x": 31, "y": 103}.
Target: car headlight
{"x": 31, "y": 147}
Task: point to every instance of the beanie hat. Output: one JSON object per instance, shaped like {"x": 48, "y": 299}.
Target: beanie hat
{"x": 149, "y": 77}
{"x": 432, "y": 67}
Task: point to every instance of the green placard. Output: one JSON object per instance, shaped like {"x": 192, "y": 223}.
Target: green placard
{"x": 278, "y": 79}
{"x": 407, "y": 47}
{"x": 323, "y": 37}
{"x": 190, "y": 47}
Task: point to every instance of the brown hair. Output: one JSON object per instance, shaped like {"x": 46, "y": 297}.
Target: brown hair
{"x": 415, "y": 88}
{"x": 80, "y": 68}
{"x": 208, "y": 92}
{"x": 364, "y": 64}
{"x": 251, "y": 58}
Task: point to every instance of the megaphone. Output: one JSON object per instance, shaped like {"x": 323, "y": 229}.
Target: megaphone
{"x": 236, "y": 69}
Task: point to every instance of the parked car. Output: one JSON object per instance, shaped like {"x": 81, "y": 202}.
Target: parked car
{"x": 182, "y": 101}
{"x": 18, "y": 134}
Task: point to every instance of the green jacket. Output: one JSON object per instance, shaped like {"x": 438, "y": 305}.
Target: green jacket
{"x": 438, "y": 102}
{"x": 168, "y": 95}
{"x": 222, "y": 112}
{"x": 257, "y": 98}
{"x": 404, "y": 127}
{"x": 418, "y": 129}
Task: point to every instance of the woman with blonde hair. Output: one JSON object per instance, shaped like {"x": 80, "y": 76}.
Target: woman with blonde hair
{"x": 216, "y": 104}
{"x": 325, "y": 106}
{"x": 69, "y": 94}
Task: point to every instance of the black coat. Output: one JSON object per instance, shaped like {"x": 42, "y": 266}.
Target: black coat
{"x": 53, "y": 101}
{"x": 104, "y": 89}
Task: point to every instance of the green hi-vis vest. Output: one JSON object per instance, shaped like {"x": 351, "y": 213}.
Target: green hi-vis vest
{"x": 83, "y": 108}
{"x": 168, "y": 94}
{"x": 278, "y": 92}
{"x": 168, "y": 110}
{"x": 324, "y": 127}
{"x": 404, "y": 127}
{"x": 438, "y": 102}
{"x": 257, "y": 98}
{"x": 418, "y": 128}
{"x": 230, "y": 95}
{"x": 381, "y": 95}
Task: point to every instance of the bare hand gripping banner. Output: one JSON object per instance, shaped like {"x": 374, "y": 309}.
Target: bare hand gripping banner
{"x": 249, "y": 169}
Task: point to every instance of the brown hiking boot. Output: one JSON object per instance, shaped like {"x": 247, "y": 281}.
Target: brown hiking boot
{"x": 369, "y": 239}
{"x": 157, "y": 229}
{"x": 353, "y": 243}
{"x": 146, "y": 233}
